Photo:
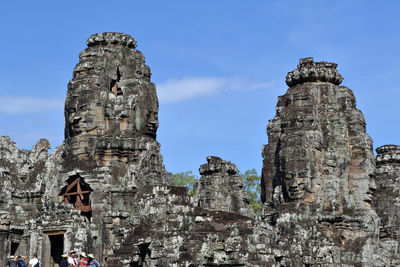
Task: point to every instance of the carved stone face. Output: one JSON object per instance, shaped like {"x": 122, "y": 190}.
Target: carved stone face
{"x": 83, "y": 117}
{"x": 294, "y": 186}
{"x": 296, "y": 180}
{"x": 106, "y": 114}
{"x": 371, "y": 189}
{"x": 151, "y": 119}
{"x": 147, "y": 114}
{"x": 111, "y": 93}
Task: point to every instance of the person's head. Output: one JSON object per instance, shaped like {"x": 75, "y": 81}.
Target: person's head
{"x": 12, "y": 258}
{"x": 34, "y": 255}
{"x": 91, "y": 256}
{"x": 65, "y": 255}
{"x": 83, "y": 255}
{"x": 72, "y": 253}
{"x": 19, "y": 258}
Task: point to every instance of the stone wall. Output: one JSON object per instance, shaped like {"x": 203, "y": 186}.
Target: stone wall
{"x": 106, "y": 191}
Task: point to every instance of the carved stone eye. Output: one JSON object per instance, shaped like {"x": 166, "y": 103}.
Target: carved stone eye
{"x": 148, "y": 113}
{"x": 289, "y": 176}
{"x": 302, "y": 174}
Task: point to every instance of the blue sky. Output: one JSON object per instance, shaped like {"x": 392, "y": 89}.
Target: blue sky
{"x": 219, "y": 66}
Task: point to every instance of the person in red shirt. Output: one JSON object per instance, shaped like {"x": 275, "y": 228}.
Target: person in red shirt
{"x": 83, "y": 262}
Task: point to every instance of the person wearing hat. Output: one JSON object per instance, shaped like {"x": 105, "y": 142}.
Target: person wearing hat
{"x": 92, "y": 261}
{"x": 64, "y": 262}
{"x": 71, "y": 259}
{"x": 11, "y": 262}
{"x": 83, "y": 262}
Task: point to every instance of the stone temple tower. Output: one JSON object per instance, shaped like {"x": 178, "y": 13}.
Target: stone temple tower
{"x": 81, "y": 195}
{"x": 111, "y": 119}
{"x": 111, "y": 109}
{"x": 319, "y": 161}
{"x": 105, "y": 190}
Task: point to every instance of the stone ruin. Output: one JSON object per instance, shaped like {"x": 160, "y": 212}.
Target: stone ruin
{"x": 327, "y": 200}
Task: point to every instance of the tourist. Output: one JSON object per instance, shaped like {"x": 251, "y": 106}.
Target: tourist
{"x": 11, "y": 262}
{"x": 34, "y": 262}
{"x": 64, "y": 261}
{"x": 83, "y": 262}
{"x": 92, "y": 261}
{"x": 20, "y": 262}
{"x": 71, "y": 260}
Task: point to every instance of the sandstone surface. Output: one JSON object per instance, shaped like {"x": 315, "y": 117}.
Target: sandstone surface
{"x": 327, "y": 200}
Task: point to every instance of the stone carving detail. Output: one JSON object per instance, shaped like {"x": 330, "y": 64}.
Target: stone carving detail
{"x": 111, "y": 93}
{"x": 111, "y": 111}
{"x": 387, "y": 195}
{"x": 111, "y": 38}
{"x": 319, "y": 165}
{"x": 310, "y": 71}
{"x": 21, "y": 167}
{"x": 220, "y": 188}
{"x": 314, "y": 140}
{"x": 388, "y": 154}
{"x": 321, "y": 205}
{"x": 111, "y": 120}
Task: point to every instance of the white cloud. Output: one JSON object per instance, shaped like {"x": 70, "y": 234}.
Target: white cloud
{"x": 175, "y": 90}
{"x": 172, "y": 90}
{"x": 14, "y": 105}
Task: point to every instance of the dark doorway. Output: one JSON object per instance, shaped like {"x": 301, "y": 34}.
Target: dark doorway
{"x": 14, "y": 247}
{"x": 53, "y": 248}
{"x": 57, "y": 247}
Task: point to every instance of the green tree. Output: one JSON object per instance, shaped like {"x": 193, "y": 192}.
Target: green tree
{"x": 252, "y": 185}
{"x": 186, "y": 179}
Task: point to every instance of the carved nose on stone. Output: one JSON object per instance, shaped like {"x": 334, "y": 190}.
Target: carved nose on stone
{"x": 152, "y": 123}
{"x": 75, "y": 120}
{"x": 372, "y": 186}
{"x": 152, "y": 119}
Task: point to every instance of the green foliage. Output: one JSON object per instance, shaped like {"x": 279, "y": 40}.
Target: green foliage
{"x": 186, "y": 179}
{"x": 252, "y": 185}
